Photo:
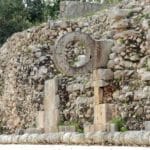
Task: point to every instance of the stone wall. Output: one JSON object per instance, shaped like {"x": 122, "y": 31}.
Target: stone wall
{"x": 71, "y": 9}
{"x": 26, "y": 62}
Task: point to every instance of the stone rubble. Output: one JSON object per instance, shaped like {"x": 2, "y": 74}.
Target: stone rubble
{"x": 26, "y": 62}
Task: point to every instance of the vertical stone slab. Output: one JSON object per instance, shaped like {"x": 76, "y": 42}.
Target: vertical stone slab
{"x": 51, "y": 105}
{"x": 103, "y": 114}
{"x": 40, "y": 119}
{"x": 98, "y": 95}
{"x": 98, "y": 92}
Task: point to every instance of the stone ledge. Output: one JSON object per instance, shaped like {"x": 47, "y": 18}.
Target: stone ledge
{"x": 138, "y": 138}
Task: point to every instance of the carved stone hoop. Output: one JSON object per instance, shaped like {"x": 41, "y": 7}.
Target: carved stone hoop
{"x": 60, "y": 58}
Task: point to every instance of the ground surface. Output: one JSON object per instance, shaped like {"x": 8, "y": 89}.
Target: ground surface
{"x": 67, "y": 147}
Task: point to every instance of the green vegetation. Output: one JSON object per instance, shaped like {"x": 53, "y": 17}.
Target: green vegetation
{"x": 120, "y": 123}
{"x": 17, "y": 15}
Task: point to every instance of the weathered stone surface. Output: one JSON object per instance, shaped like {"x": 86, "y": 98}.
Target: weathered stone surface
{"x": 75, "y": 87}
{"x": 60, "y": 57}
{"x": 88, "y": 128}
{"x": 145, "y": 76}
{"x": 40, "y": 120}
{"x": 147, "y": 125}
{"x": 67, "y": 129}
{"x": 70, "y": 9}
{"x": 101, "y": 54}
{"x": 123, "y": 24}
{"x": 99, "y": 83}
{"x": 34, "y": 131}
{"x": 77, "y": 138}
{"x": 132, "y": 138}
{"x": 27, "y": 63}
{"x": 103, "y": 114}
{"x": 51, "y": 106}
{"x": 102, "y": 74}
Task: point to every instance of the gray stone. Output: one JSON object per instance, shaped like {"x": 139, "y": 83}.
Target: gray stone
{"x": 100, "y": 83}
{"x": 81, "y": 60}
{"x": 118, "y": 74}
{"x": 40, "y": 119}
{"x": 146, "y": 24}
{"x": 77, "y": 138}
{"x": 67, "y": 129}
{"x": 19, "y": 131}
{"x": 71, "y": 9}
{"x": 105, "y": 49}
{"x": 51, "y": 106}
{"x": 123, "y": 24}
{"x": 103, "y": 74}
{"x": 117, "y": 13}
{"x": 33, "y": 131}
{"x": 147, "y": 125}
{"x": 42, "y": 70}
{"x": 60, "y": 59}
{"x": 75, "y": 87}
{"x": 135, "y": 58}
{"x": 145, "y": 76}
{"x": 113, "y": 127}
{"x": 146, "y": 10}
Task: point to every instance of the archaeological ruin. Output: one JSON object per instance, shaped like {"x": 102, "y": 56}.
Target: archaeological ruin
{"x": 81, "y": 79}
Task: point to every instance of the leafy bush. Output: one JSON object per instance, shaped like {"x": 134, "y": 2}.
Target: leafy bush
{"x": 120, "y": 123}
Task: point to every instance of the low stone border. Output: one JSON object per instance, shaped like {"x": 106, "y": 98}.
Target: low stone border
{"x": 132, "y": 138}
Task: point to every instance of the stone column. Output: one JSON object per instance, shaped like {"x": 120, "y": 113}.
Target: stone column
{"x": 51, "y": 106}
{"x": 103, "y": 112}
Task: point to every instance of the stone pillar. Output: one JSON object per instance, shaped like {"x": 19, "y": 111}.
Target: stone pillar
{"x": 98, "y": 90}
{"x": 103, "y": 112}
{"x": 51, "y": 106}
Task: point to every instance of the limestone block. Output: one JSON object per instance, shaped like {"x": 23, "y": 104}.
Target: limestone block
{"x": 103, "y": 114}
{"x": 145, "y": 76}
{"x": 142, "y": 93}
{"x": 113, "y": 127}
{"x": 147, "y": 125}
{"x": 88, "y": 128}
{"x": 98, "y": 95}
{"x": 67, "y": 129}
{"x": 72, "y": 9}
{"x": 77, "y": 138}
{"x": 118, "y": 13}
{"x": 101, "y": 54}
{"x": 40, "y": 119}
{"x": 33, "y": 131}
{"x": 51, "y": 105}
{"x": 99, "y": 83}
{"x": 75, "y": 87}
{"x": 102, "y": 74}
{"x": 123, "y": 24}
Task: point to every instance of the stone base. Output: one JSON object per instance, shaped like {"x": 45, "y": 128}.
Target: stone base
{"x": 103, "y": 114}
{"x": 96, "y": 127}
{"x": 67, "y": 129}
{"x": 88, "y": 128}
